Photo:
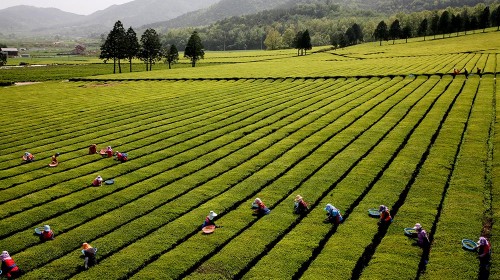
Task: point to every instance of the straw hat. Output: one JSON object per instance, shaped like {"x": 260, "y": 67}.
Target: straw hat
{"x": 417, "y": 226}
{"x": 46, "y": 228}
{"x": 212, "y": 215}
{"x": 257, "y": 200}
{"x": 298, "y": 197}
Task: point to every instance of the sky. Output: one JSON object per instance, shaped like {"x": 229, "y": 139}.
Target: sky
{"x": 81, "y": 7}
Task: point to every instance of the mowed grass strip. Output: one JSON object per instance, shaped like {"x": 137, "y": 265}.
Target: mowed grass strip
{"x": 311, "y": 232}
{"x": 280, "y": 190}
{"x": 424, "y": 199}
{"x": 167, "y": 190}
{"x": 386, "y": 187}
{"x": 468, "y": 186}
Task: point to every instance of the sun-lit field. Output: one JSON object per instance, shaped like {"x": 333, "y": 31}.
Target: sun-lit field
{"x": 356, "y": 128}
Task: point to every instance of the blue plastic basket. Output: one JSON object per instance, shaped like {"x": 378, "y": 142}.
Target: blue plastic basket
{"x": 373, "y": 213}
{"x": 469, "y": 245}
{"x": 411, "y": 232}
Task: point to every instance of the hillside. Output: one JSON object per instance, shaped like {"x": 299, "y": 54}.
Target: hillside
{"x": 33, "y": 21}
{"x": 219, "y": 11}
{"x": 22, "y": 18}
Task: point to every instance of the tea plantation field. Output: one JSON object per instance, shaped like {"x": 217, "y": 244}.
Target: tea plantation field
{"x": 356, "y": 128}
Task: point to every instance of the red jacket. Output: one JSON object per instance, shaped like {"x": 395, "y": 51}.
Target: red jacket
{"x": 9, "y": 266}
{"x": 47, "y": 235}
{"x": 484, "y": 250}
{"x": 385, "y": 216}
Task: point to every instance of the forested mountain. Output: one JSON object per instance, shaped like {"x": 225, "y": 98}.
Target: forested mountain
{"x": 21, "y": 18}
{"x": 27, "y": 20}
{"x": 325, "y": 22}
{"x": 141, "y": 12}
{"x": 250, "y": 16}
{"x": 223, "y": 9}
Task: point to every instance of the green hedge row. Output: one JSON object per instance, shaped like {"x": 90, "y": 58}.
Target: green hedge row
{"x": 267, "y": 229}
{"x": 424, "y": 200}
{"x": 394, "y": 178}
{"x": 468, "y": 185}
{"x": 242, "y": 188}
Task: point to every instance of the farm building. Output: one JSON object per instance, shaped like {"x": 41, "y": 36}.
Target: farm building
{"x": 11, "y": 52}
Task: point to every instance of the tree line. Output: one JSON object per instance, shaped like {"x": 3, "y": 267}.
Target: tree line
{"x": 447, "y": 22}
{"x": 327, "y": 24}
{"x": 153, "y": 47}
{"x": 124, "y": 45}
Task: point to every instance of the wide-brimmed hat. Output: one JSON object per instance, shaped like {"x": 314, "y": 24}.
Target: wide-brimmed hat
{"x": 482, "y": 241}
{"x": 99, "y": 177}
{"x": 257, "y": 200}
{"x": 85, "y": 246}
{"x": 46, "y": 228}
{"x": 298, "y": 197}
{"x": 417, "y": 226}
{"x": 4, "y": 255}
{"x": 212, "y": 215}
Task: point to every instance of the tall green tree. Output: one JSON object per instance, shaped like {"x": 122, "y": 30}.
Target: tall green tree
{"x": 422, "y": 28}
{"x": 444, "y": 22}
{"x": 465, "y": 21}
{"x": 150, "y": 51}
{"x": 358, "y": 32}
{"x": 381, "y": 32}
{"x": 473, "y": 23}
{"x": 456, "y": 23}
{"x": 484, "y": 18}
{"x": 435, "y": 25}
{"x": 395, "y": 30}
{"x": 306, "y": 41}
{"x": 297, "y": 42}
{"x": 3, "y": 59}
{"x": 194, "y": 49}
{"x": 133, "y": 46}
{"x": 273, "y": 39}
{"x": 115, "y": 46}
{"x": 406, "y": 32}
{"x": 495, "y": 17}
{"x": 171, "y": 55}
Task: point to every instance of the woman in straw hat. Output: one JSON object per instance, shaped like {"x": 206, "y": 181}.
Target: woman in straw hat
{"x": 300, "y": 205}
{"x": 209, "y": 220}
{"x": 9, "y": 267}
{"x": 88, "y": 255}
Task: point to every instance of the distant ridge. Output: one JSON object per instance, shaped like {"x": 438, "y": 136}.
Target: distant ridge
{"x": 28, "y": 20}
